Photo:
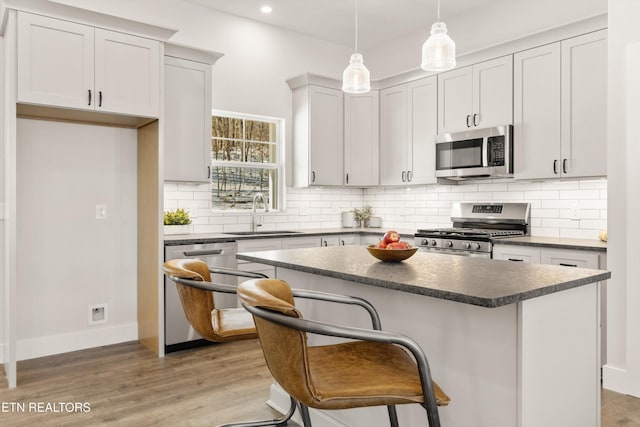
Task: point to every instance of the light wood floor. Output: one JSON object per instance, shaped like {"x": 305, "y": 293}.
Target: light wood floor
{"x": 127, "y": 385}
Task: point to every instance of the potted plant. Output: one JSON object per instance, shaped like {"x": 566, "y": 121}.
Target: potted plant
{"x": 363, "y": 215}
{"x": 177, "y": 222}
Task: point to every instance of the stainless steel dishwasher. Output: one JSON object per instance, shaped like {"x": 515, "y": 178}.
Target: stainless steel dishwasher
{"x": 178, "y": 333}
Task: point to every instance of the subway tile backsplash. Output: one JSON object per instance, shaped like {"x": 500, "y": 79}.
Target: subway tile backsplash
{"x": 573, "y": 209}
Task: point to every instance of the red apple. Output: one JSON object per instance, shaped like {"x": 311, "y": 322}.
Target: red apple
{"x": 381, "y": 244}
{"x": 391, "y": 236}
{"x": 398, "y": 245}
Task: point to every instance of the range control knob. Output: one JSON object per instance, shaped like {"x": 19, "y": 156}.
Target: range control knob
{"x": 467, "y": 245}
{"x": 476, "y": 245}
{"x": 425, "y": 242}
{"x": 449, "y": 244}
{"x": 434, "y": 242}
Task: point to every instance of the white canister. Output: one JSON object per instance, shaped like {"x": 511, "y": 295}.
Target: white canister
{"x": 348, "y": 219}
{"x": 375, "y": 222}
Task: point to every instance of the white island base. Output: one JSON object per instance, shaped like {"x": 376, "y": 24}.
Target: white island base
{"x": 535, "y": 363}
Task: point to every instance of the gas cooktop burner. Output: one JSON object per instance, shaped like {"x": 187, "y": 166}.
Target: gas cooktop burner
{"x": 468, "y": 232}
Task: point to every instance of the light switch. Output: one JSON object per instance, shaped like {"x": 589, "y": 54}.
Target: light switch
{"x": 101, "y": 211}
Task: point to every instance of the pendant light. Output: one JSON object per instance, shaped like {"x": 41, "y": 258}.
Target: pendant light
{"x": 439, "y": 51}
{"x": 355, "y": 78}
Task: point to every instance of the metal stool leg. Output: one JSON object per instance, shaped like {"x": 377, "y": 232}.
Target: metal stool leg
{"x": 393, "y": 415}
{"x": 304, "y": 413}
{"x": 280, "y": 422}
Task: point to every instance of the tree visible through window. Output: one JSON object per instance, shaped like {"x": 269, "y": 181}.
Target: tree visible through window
{"x": 244, "y": 160}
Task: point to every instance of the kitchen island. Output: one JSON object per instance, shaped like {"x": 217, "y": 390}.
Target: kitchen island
{"x": 513, "y": 344}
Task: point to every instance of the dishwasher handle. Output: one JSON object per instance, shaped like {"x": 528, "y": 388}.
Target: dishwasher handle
{"x": 203, "y": 252}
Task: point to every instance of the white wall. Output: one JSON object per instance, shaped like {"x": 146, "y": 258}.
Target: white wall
{"x": 67, "y": 259}
{"x": 622, "y": 372}
{"x": 504, "y": 21}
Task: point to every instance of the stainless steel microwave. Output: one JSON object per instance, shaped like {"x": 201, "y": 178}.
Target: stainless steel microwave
{"x": 478, "y": 153}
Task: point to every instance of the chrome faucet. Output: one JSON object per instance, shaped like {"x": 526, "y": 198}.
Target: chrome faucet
{"x": 255, "y": 223}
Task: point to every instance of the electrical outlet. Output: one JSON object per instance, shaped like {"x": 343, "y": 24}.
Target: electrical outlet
{"x": 575, "y": 211}
{"x": 101, "y": 211}
{"x": 97, "y": 314}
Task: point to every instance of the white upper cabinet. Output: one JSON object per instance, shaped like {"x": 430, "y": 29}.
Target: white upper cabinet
{"x": 317, "y": 136}
{"x": 361, "y": 146}
{"x": 394, "y": 149}
{"x": 65, "y": 64}
{"x": 560, "y": 109}
{"x": 422, "y": 98}
{"x": 584, "y": 105}
{"x": 536, "y": 112}
{"x": 187, "y": 107}
{"x": 477, "y": 96}
{"x": 408, "y": 126}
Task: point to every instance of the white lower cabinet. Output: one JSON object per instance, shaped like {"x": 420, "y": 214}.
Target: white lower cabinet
{"x": 257, "y": 245}
{"x": 537, "y": 255}
{"x": 340, "y": 240}
{"x": 300, "y": 242}
{"x": 517, "y": 253}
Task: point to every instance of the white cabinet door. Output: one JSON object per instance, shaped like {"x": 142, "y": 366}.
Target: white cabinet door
{"x": 570, "y": 258}
{"x": 584, "y": 105}
{"x": 257, "y": 245}
{"x": 55, "y": 62}
{"x": 477, "y": 96}
{"x": 127, "y": 74}
{"x": 325, "y": 136}
{"x": 64, "y": 64}
{"x": 348, "y": 239}
{"x": 361, "y": 145}
{"x": 393, "y": 136}
{"x": 517, "y": 253}
{"x": 493, "y": 93}
{"x": 455, "y": 100}
{"x": 300, "y": 242}
{"x": 422, "y": 98}
{"x": 187, "y": 106}
{"x": 536, "y": 112}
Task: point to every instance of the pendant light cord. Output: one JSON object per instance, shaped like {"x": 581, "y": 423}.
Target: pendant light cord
{"x": 356, "y": 19}
{"x": 438, "y": 11}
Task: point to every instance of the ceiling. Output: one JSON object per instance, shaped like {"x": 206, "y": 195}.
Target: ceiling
{"x": 333, "y": 20}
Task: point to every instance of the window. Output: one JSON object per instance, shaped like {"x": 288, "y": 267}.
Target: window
{"x": 246, "y": 159}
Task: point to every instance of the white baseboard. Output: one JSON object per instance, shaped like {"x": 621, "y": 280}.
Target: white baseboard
{"x": 73, "y": 341}
{"x": 620, "y": 380}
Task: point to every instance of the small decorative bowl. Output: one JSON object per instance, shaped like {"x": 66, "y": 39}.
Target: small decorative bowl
{"x": 391, "y": 255}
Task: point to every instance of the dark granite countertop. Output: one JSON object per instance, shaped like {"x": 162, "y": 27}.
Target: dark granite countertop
{"x": 554, "y": 242}
{"x": 475, "y": 281}
{"x": 197, "y": 238}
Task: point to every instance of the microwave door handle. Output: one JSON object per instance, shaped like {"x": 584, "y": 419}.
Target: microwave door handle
{"x": 485, "y": 152}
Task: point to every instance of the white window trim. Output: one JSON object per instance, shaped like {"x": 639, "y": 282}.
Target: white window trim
{"x": 280, "y": 160}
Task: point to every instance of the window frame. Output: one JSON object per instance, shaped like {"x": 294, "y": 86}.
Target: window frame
{"x": 280, "y": 198}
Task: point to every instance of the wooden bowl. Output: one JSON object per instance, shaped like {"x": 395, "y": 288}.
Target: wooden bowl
{"x": 391, "y": 255}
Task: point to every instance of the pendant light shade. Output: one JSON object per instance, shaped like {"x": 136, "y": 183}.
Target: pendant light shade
{"x": 355, "y": 78}
{"x": 439, "y": 51}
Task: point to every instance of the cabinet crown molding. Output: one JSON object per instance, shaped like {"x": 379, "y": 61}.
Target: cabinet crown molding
{"x": 192, "y": 53}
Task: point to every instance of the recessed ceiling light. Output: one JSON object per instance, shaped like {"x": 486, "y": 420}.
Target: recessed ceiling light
{"x": 266, "y": 9}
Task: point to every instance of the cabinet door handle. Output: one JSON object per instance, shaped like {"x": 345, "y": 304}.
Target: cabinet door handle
{"x": 404, "y": 176}
{"x": 342, "y": 242}
{"x": 564, "y": 165}
{"x": 208, "y": 172}
{"x": 409, "y": 176}
{"x": 313, "y": 176}
{"x": 475, "y": 119}
{"x": 516, "y": 259}
{"x": 555, "y": 167}
{"x": 347, "y": 178}
{"x": 89, "y": 97}
{"x": 568, "y": 265}
{"x": 100, "y": 99}
{"x": 324, "y": 243}
{"x": 468, "y": 117}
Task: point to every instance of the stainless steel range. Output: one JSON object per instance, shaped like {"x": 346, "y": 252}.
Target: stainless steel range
{"x": 475, "y": 225}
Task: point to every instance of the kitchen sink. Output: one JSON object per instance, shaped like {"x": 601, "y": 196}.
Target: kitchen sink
{"x": 252, "y": 233}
